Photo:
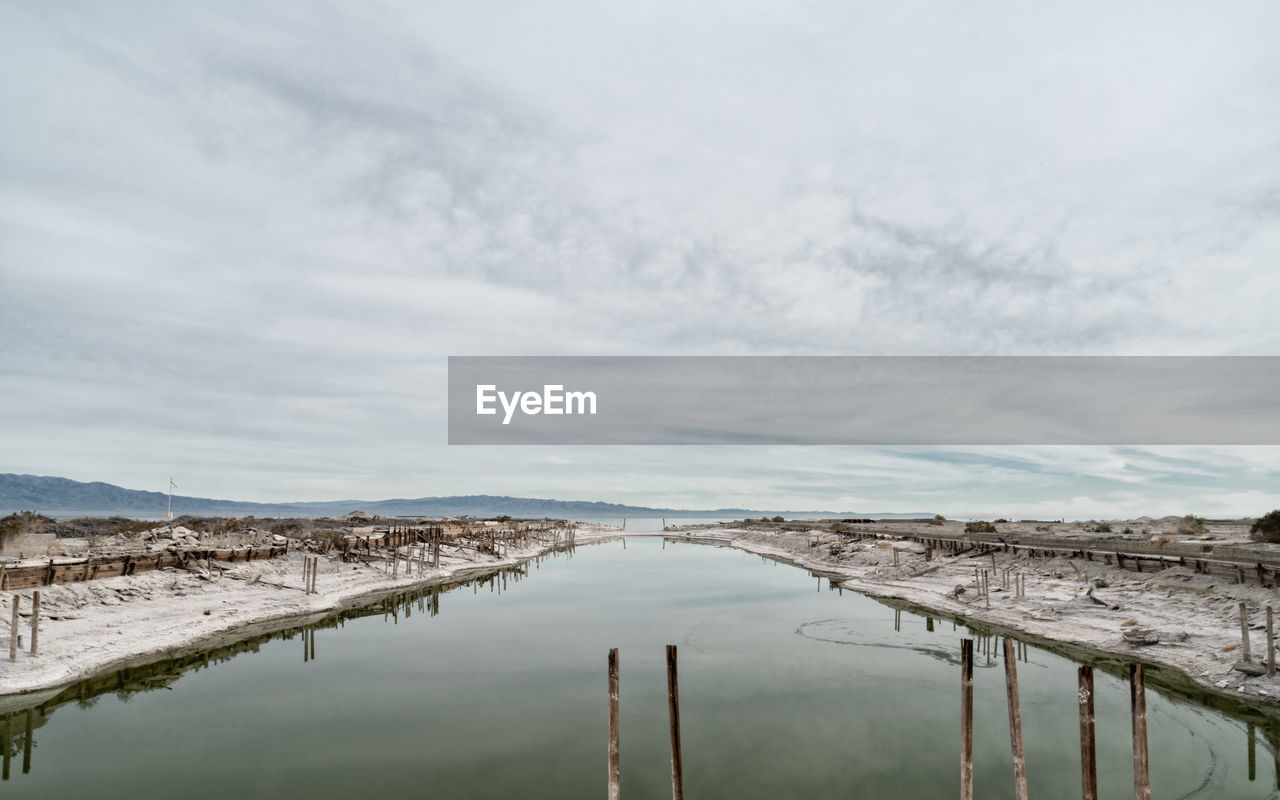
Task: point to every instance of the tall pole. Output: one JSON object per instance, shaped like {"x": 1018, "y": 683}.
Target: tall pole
{"x": 1015, "y": 721}
{"x": 966, "y": 719}
{"x": 673, "y": 705}
{"x": 1088, "y": 748}
{"x": 1138, "y": 704}
{"x": 614, "y": 784}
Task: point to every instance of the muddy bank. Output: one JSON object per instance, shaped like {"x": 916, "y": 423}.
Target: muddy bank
{"x": 1081, "y": 604}
{"x": 90, "y": 627}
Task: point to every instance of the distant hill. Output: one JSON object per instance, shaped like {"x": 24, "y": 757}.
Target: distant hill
{"x": 62, "y": 497}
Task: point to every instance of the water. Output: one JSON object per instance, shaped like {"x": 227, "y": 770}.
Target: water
{"x": 787, "y": 689}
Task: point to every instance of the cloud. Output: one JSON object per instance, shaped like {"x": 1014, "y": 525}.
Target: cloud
{"x": 239, "y": 242}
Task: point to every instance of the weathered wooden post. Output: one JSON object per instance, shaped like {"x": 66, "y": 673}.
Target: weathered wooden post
{"x": 13, "y": 628}
{"x": 1088, "y": 747}
{"x": 1244, "y": 634}
{"x": 35, "y": 622}
{"x": 614, "y": 785}
{"x": 1138, "y": 705}
{"x": 1271, "y": 644}
{"x": 673, "y": 706}
{"x": 1015, "y": 721}
{"x": 966, "y": 719}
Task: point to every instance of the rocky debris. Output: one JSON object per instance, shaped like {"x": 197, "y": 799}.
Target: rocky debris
{"x": 1141, "y": 636}
{"x": 1250, "y": 668}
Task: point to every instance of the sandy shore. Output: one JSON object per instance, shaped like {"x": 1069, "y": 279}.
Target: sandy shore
{"x": 1196, "y": 617}
{"x": 89, "y": 627}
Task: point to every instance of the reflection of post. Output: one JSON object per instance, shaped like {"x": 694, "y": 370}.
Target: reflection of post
{"x": 1138, "y": 705}
{"x": 966, "y": 719}
{"x": 614, "y": 789}
{"x": 1088, "y": 748}
{"x": 312, "y": 637}
{"x": 1015, "y": 721}
{"x": 673, "y": 706}
{"x": 8, "y": 737}
{"x": 1253, "y": 753}
{"x": 26, "y": 746}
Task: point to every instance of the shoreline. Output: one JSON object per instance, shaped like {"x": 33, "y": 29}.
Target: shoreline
{"x": 92, "y": 627}
{"x": 1046, "y": 614}
{"x": 168, "y": 613}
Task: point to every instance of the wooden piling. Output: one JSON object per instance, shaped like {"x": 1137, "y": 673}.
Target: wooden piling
{"x": 1271, "y": 645}
{"x": 1138, "y": 705}
{"x": 966, "y": 719}
{"x": 1244, "y": 634}
{"x": 614, "y": 785}
{"x": 13, "y": 628}
{"x": 35, "y": 622}
{"x": 1015, "y": 721}
{"x": 1088, "y": 745}
{"x": 673, "y": 706}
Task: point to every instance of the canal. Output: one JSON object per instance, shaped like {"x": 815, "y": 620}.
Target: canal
{"x": 497, "y": 689}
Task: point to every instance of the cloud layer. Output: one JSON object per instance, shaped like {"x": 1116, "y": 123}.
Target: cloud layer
{"x": 238, "y": 242}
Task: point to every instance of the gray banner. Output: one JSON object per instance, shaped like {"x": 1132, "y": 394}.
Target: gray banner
{"x": 944, "y": 400}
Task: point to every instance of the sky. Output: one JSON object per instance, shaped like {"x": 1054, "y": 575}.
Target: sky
{"x": 238, "y": 241}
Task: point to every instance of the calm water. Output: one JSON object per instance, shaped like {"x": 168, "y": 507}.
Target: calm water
{"x": 787, "y": 689}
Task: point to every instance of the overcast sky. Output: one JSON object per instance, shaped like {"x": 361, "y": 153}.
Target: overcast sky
{"x": 238, "y": 240}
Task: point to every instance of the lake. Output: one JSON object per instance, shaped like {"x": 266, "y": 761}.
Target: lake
{"x": 788, "y": 689}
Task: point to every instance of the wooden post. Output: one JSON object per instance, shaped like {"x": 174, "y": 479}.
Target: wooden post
{"x": 966, "y": 719}
{"x": 673, "y": 706}
{"x": 1271, "y": 645}
{"x": 13, "y": 629}
{"x": 614, "y": 786}
{"x": 1244, "y": 634}
{"x": 1138, "y": 704}
{"x": 35, "y": 622}
{"x": 1088, "y": 747}
{"x": 1015, "y": 721}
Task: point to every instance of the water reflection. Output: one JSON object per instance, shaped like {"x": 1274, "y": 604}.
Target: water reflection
{"x": 805, "y": 665}
{"x": 18, "y": 723}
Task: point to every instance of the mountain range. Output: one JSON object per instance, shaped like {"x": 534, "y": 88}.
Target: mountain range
{"x": 62, "y": 497}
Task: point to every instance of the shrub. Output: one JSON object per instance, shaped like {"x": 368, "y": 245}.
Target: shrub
{"x": 1191, "y": 524}
{"x": 777, "y": 519}
{"x": 938, "y": 519}
{"x": 1002, "y": 519}
{"x": 1127, "y": 530}
{"x": 980, "y": 526}
{"x": 1266, "y": 528}
{"x": 1103, "y": 527}
{"x": 1101, "y": 583}
{"x": 22, "y": 523}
